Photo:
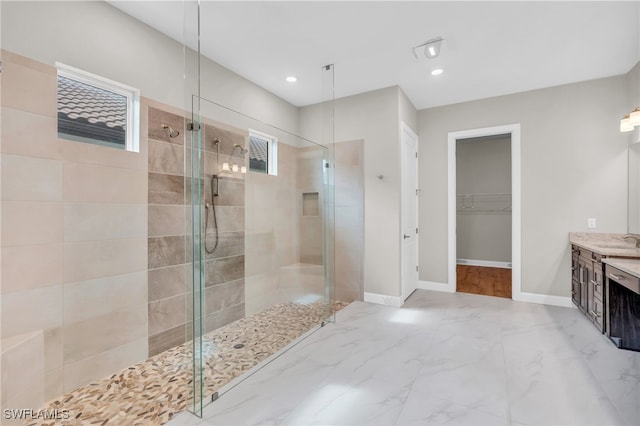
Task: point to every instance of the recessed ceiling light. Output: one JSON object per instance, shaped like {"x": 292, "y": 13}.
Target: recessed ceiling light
{"x": 292, "y": 79}
{"x": 437, "y": 71}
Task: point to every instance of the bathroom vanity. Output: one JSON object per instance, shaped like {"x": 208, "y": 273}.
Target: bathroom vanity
{"x": 623, "y": 293}
{"x": 605, "y": 285}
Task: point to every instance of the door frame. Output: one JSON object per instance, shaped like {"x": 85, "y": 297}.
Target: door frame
{"x": 405, "y": 129}
{"x": 516, "y": 199}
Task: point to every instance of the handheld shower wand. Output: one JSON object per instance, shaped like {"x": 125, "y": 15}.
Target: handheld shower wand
{"x": 214, "y": 193}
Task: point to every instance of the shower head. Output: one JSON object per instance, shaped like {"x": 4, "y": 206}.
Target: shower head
{"x": 240, "y": 148}
{"x": 170, "y": 130}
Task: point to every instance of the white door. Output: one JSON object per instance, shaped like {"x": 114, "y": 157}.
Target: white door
{"x": 409, "y": 237}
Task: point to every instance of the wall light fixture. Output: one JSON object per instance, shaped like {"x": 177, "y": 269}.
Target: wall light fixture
{"x": 630, "y": 121}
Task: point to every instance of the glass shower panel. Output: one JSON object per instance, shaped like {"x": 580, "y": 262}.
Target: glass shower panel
{"x": 192, "y": 203}
{"x": 327, "y": 138}
{"x": 261, "y": 267}
{"x": 260, "y": 215}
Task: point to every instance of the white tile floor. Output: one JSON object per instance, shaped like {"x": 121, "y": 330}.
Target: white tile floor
{"x": 455, "y": 359}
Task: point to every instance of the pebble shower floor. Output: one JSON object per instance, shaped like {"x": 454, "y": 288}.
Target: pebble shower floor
{"x": 153, "y": 391}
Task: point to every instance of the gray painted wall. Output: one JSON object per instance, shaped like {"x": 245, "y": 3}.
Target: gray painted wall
{"x": 375, "y": 118}
{"x": 574, "y": 166}
{"x": 96, "y": 37}
{"x": 483, "y": 166}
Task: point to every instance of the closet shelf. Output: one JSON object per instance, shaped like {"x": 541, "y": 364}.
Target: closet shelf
{"x": 483, "y": 203}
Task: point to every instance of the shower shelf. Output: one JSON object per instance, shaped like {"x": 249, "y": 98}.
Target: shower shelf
{"x": 483, "y": 203}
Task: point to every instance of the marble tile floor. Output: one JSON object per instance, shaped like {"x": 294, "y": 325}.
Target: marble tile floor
{"x": 153, "y": 391}
{"x": 441, "y": 359}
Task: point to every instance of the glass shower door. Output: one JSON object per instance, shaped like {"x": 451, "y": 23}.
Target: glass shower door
{"x": 261, "y": 206}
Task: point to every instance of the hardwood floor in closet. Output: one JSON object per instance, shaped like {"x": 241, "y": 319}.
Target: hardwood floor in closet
{"x": 483, "y": 280}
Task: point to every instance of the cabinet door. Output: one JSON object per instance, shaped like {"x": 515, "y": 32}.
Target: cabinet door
{"x": 597, "y": 314}
{"x": 583, "y": 279}
{"x": 574, "y": 263}
{"x": 596, "y": 280}
{"x": 590, "y": 289}
{"x": 575, "y": 292}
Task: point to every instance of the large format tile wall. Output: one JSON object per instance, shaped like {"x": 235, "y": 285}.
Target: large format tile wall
{"x": 74, "y": 243}
{"x": 170, "y": 296}
{"x": 284, "y": 218}
{"x": 349, "y": 220}
{"x": 272, "y": 235}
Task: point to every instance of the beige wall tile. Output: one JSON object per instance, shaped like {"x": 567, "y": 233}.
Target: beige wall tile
{"x": 224, "y": 317}
{"x": 166, "y": 158}
{"x": 95, "y": 183}
{"x": 259, "y": 289}
{"x": 31, "y": 222}
{"x": 95, "y": 259}
{"x": 157, "y": 117}
{"x": 25, "y": 61}
{"x": 93, "y": 221}
{"x": 31, "y": 179}
{"x": 88, "y": 153}
{"x": 53, "y": 382}
{"x": 222, "y": 270}
{"x": 31, "y": 310}
{"x": 27, "y": 89}
{"x": 231, "y": 192}
{"x": 29, "y": 134}
{"x": 169, "y": 338}
{"x": 52, "y": 349}
{"x": 23, "y": 373}
{"x": 224, "y": 295}
{"x": 27, "y": 267}
{"x": 229, "y": 244}
{"x": 166, "y": 189}
{"x": 167, "y": 313}
{"x": 228, "y": 137}
{"x": 98, "y": 297}
{"x": 85, "y": 371}
{"x": 230, "y": 219}
{"x": 166, "y": 251}
{"x": 167, "y": 282}
{"x": 98, "y": 334}
{"x": 165, "y": 220}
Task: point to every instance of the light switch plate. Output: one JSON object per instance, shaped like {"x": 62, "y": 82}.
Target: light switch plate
{"x": 591, "y": 222}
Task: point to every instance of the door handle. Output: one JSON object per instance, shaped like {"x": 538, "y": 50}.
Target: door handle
{"x": 405, "y": 236}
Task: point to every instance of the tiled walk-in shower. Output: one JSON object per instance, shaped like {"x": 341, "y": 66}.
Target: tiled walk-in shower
{"x": 153, "y": 391}
{"x": 109, "y": 276}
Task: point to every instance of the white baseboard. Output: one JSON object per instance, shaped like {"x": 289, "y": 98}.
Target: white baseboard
{"x": 487, "y": 263}
{"x": 431, "y": 285}
{"x": 544, "y": 299}
{"x": 383, "y": 299}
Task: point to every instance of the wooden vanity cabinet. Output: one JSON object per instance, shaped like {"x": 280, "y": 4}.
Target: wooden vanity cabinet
{"x": 587, "y": 284}
{"x": 575, "y": 278}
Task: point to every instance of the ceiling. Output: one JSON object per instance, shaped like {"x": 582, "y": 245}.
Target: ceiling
{"x": 489, "y": 48}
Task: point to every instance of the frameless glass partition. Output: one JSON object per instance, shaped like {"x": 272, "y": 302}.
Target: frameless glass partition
{"x": 262, "y": 237}
{"x": 259, "y": 219}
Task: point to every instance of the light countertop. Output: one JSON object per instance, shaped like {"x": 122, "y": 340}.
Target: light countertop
{"x": 630, "y": 266}
{"x": 611, "y": 245}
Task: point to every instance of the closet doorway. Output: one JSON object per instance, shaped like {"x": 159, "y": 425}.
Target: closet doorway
{"x": 484, "y": 211}
{"x": 483, "y": 214}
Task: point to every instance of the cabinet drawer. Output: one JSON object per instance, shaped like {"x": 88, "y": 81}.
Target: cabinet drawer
{"x": 624, "y": 279}
{"x": 597, "y": 314}
{"x": 597, "y": 281}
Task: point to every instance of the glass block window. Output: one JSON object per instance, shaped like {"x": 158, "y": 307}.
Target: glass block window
{"x": 262, "y": 153}
{"x": 96, "y": 110}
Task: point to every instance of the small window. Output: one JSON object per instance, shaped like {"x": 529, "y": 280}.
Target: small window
{"x": 263, "y": 153}
{"x": 96, "y": 110}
